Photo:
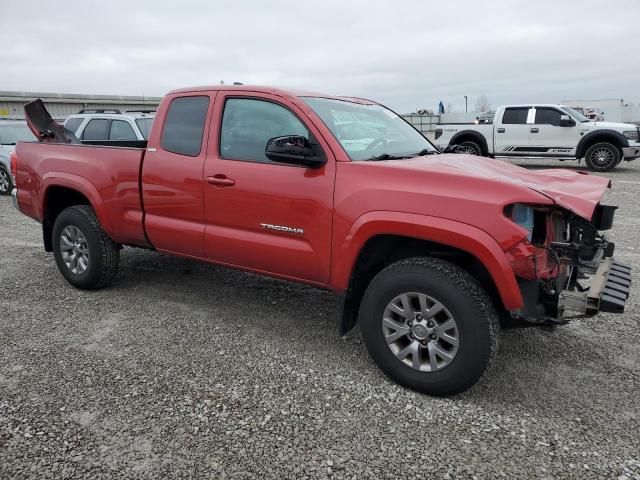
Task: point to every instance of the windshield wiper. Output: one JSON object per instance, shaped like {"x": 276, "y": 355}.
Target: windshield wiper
{"x": 387, "y": 156}
{"x": 426, "y": 151}
{"x": 8, "y": 143}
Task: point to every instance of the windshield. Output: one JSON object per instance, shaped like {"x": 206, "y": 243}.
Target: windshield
{"x": 144, "y": 124}
{"x": 575, "y": 114}
{"x": 15, "y": 132}
{"x": 369, "y": 132}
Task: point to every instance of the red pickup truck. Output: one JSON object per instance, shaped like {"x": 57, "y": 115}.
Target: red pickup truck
{"x": 432, "y": 252}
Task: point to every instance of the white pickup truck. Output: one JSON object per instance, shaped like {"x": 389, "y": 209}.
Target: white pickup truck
{"x": 545, "y": 131}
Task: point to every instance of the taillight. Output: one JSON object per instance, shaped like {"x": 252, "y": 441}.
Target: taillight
{"x": 13, "y": 159}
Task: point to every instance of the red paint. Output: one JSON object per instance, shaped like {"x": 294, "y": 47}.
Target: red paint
{"x": 211, "y": 209}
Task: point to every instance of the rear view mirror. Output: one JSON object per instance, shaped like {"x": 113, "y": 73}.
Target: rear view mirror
{"x": 295, "y": 150}
{"x": 567, "y": 121}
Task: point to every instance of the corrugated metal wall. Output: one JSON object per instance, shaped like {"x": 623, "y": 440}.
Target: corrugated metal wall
{"x": 423, "y": 123}
{"x": 61, "y": 105}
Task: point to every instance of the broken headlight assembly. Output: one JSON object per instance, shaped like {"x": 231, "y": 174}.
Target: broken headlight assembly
{"x": 555, "y": 258}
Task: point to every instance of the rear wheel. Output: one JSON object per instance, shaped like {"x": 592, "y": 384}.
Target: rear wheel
{"x": 6, "y": 184}
{"x": 471, "y": 148}
{"x": 602, "y": 157}
{"x": 429, "y": 326}
{"x": 85, "y": 255}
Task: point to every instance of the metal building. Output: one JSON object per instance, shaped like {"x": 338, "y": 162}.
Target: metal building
{"x": 60, "y": 105}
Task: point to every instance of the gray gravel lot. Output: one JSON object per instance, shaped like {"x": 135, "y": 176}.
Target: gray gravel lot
{"x": 182, "y": 369}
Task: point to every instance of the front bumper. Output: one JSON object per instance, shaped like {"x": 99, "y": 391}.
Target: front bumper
{"x": 630, "y": 153}
{"x": 14, "y": 199}
{"x": 608, "y": 292}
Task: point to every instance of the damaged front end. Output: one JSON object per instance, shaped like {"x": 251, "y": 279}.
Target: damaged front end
{"x": 565, "y": 266}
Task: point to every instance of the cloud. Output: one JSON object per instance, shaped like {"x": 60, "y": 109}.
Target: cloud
{"x": 406, "y": 54}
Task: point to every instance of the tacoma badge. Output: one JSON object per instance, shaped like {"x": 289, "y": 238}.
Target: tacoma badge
{"x": 281, "y": 228}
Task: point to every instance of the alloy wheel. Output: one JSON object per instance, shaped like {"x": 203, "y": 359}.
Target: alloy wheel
{"x": 74, "y": 249}
{"x": 420, "y": 332}
{"x": 4, "y": 181}
{"x": 602, "y": 157}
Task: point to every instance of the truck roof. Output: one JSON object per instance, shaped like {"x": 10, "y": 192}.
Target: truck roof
{"x": 532, "y": 104}
{"x": 282, "y": 92}
{"x": 132, "y": 115}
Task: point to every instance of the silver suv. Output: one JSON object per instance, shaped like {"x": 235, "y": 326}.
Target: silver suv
{"x": 11, "y": 132}
{"x": 110, "y": 124}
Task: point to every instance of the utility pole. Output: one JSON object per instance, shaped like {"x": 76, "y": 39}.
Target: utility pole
{"x": 466, "y": 108}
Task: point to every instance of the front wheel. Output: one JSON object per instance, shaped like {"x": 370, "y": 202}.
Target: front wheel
{"x": 471, "y": 148}
{"x": 6, "y": 184}
{"x": 85, "y": 255}
{"x": 602, "y": 157}
{"x": 429, "y": 326}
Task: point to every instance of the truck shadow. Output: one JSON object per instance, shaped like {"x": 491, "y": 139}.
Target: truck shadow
{"x": 535, "y": 369}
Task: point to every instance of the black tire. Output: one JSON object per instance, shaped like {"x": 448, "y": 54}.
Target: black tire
{"x": 6, "y": 183}
{"x": 103, "y": 253}
{"x": 470, "y": 306}
{"x": 471, "y": 147}
{"x": 602, "y": 157}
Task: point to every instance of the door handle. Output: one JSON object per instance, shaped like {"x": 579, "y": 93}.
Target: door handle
{"x": 221, "y": 180}
{"x": 500, "y": 130}
{"x": 535, "y": 130}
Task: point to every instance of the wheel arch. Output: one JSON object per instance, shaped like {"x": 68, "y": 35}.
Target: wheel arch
{"x": 609, "y": 136}
{"x": 387, "y": 239}
{"x": 471, "y": 135}
{"x": 63, "y": 192}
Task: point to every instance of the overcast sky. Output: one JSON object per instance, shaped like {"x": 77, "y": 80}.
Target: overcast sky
{"x": 405, "y": 54}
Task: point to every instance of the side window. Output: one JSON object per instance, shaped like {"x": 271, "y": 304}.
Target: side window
{"x": 248, "y": 124}
{"x": 96, "y": 129}
{"x": 73, "y": 124}
{"x": 121, "y": 130}
{"x": 184, "y": 125}
{"x": 515, "y": 116}
{"x": 547, "y": 116}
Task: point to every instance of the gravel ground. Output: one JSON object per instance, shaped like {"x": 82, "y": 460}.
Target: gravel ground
{"x": 183, "y": 369}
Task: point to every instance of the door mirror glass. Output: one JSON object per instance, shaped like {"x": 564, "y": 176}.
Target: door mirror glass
{"x": 294, "y": 150}
{"x": 567, "y": 121}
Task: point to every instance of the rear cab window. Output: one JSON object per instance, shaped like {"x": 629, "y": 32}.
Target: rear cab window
{"x": 184, "y": 123}
{"x": 515, "y": 116}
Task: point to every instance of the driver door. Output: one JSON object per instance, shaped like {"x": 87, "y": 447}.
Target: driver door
{"x": 261, "y": 215}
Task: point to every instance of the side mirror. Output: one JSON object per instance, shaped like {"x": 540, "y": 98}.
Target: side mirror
{"x": 567, "y": 121}
{"x": 295, "y": 150}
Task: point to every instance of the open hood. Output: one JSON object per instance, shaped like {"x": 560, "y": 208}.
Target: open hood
{"x": 45, "y": 128}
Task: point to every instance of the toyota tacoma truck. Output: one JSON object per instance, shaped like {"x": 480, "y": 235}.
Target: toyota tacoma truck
{"x": 432, "y": 253}
{"x": 545, "y": 131}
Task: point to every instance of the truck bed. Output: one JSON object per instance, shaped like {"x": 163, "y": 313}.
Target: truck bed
{"x": 108, "y": 176}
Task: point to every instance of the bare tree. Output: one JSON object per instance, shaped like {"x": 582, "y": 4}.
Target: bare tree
{"x": 482, "y": 104}
{"x": 448, "y": 107}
